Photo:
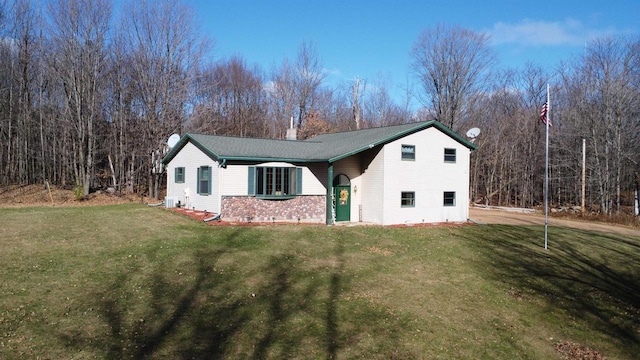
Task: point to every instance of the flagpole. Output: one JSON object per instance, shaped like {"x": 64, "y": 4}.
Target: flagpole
{"x": 546, "y": 172}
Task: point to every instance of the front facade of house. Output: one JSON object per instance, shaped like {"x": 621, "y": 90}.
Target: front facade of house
{"x": 404, "y": 174}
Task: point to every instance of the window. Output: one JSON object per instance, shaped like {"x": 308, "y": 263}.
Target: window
{"x": 275, "y": 181}
{"x": 408, "y": 199}
{"x": 179, "y": 175}
{"x": 449, "y": 198}
{"x": 450, "y": 155}
{"x": 204, "y": 180}
{"x": 408, "y": 152}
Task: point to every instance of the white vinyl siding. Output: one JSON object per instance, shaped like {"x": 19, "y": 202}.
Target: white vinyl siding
{"x": 191, "y": 158}
{"x": 429, "y": 176}
{"x": 373, "y": 188}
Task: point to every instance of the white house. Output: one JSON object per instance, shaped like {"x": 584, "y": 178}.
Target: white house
{"x": 402, "y": 174}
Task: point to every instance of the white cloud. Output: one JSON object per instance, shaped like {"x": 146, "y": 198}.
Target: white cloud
{"x": 331, "y": 72}
{"x": 537, "y": 33}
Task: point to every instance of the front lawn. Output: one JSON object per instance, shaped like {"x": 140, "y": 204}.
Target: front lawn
{"x": 130, "y": 281}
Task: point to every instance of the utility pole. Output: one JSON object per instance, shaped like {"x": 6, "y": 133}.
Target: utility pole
{"x": 636, "y": 203}
{"x": 584, "y": 175}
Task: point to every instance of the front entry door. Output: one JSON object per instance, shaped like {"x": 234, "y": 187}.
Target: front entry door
{"x": 342, "y": 194}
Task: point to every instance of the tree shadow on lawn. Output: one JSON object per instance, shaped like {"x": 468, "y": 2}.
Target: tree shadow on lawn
{"x": 295, "y": 310}
{"x": 303, "y": 305}
{"x": 196, "y": 318}
{"x": 592, "y": 276}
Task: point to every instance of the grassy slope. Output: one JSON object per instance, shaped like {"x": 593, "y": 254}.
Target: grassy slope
{"x": 130, "y": 281}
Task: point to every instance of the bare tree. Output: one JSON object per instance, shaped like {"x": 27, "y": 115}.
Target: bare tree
{"x": 356, "y": 100}
{"x": 507, "y": 166}
{"x": 603, "y": 97}
{"x": 282, "y": 98}
{"x": 307, "y": 77}
{"x": 381, "y": 110}
{"x": 294, "y": 88}
{"x": 232, "y": 100}
{"x": 79, "y": 37}
{"x": 452, "y": 65}
{"x": 165, "y": 51}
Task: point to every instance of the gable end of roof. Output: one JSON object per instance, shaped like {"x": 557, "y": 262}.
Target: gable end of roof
{"x": 182, "y": 142}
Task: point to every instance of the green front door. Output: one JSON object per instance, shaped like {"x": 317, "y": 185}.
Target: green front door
{"x": 342, "y": 194}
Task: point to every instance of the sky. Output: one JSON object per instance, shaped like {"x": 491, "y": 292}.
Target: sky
{"x": 372, "y": 39}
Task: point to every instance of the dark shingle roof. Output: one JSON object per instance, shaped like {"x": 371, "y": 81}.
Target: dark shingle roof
{"x": 328, "y": 147}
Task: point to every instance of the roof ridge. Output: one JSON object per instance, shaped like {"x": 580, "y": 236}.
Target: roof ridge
{"x": 325, "y": 147}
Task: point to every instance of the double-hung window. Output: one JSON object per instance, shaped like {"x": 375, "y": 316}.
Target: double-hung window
{"x": 179, "y": 175}
{"x": 267, "y": 181}
{"x": 408, "y": 152}
{"x": 449, "y": 155}
{"x": 449, "y": 198}
{"x": 408, "y": 199}
{"x": 204, "y": 180}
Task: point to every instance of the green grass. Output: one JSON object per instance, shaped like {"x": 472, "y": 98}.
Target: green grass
{"x": 130, "y": 281}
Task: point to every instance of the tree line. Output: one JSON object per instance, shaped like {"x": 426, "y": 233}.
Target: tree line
{"x": 88, "y": 102}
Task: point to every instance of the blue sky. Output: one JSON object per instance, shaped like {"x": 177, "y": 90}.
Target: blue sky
{"x": 373, "y": 38}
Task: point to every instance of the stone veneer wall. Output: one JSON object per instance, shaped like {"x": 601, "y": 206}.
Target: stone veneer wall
{"x": 249, "y": 208}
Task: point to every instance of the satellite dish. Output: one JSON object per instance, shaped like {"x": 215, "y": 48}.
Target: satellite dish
{"x": 473, "y": 133}
{"x": 173, "y": 140}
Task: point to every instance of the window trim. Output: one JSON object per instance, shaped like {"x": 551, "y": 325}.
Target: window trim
{"x": 411, "y": 199}
{"x": 179, "y": 175}
{"x": 448, "y": 157}
{"x": 449, "y": 200}
{"x": 407, "y": 156}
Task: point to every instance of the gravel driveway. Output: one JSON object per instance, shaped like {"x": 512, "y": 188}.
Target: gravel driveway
{"x": 487, "y": 216}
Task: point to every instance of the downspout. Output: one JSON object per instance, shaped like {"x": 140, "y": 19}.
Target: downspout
{"x": 221, "y": 165}
{"x": 330, "y": 194}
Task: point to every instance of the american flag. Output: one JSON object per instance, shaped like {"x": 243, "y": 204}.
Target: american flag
{"x": 543, "y": 114}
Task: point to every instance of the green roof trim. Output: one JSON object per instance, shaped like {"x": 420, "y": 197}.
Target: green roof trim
{"x": 322, "y": 148}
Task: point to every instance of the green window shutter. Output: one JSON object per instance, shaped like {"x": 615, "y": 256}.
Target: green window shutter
{"x": 198, "y": 182}
{"x": 210, "y": 180}
{"x": 175, "y": 175}
{"x": 298, "y": 181}
{"x": 251, "y": 181}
